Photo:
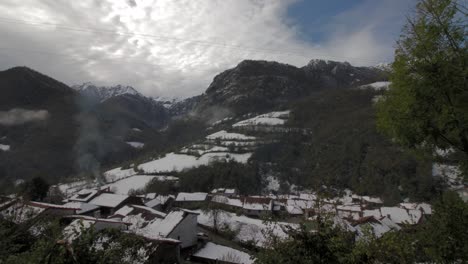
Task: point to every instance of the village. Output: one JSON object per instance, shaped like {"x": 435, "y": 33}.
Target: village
{"x": 216, "y": 227}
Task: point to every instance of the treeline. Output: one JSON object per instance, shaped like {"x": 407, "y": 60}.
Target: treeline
{"x": 246, "y": 178}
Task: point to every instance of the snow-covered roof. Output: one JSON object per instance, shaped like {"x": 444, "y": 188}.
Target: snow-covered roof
{"x": 351, "y": 208}
{"x": 53, "y": 206}
{"x": 258, "y": 204}
{"x": 153, "y": 203}
{"x": 401, "y": 216}
{"x": 83, "y": 207}
{"x": 191, "y": 197}
{"x": 294, "y": 210}
{"x": 124, "y": 211}
{"x": 308, "y": 196}
{"x": 161, "y": 228}
{"x": 160, "y": 199}
{"x": 216, "y": 252}
{"x": 378, "y": 226}
{"x": 303, "y": 204}
{"x": 375, "y": 200}
{"x": 375, "y": 213}
{"x": 149, "y": 210}
{"x": 108, "y": 200}
{"x": 83, "y": 195}
{"x": 225, "y": 200}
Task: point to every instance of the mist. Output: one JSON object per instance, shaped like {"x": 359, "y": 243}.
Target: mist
{"x": 19, "y": 116}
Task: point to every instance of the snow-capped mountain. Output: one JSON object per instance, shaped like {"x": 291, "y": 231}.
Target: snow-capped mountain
{"x": 104, "y": 92}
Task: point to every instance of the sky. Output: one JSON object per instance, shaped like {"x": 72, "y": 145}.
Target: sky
{"x": 174, "y": 48}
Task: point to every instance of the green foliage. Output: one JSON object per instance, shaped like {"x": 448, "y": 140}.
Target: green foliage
{"x": 160, "y": 187}
{"x": 230, "y": 174}
{"x": 98, "y": 247}
{"x": 14, "y": 239}
{"x": 393, "y": 247}
{"x": 327, "y": 245}
{"x": 445, "y": 237}
{"x": 35, "y": 189}
{"x": 426, "y": 105}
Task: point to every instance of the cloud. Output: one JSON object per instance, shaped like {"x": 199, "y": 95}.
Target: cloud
{"x": 18, "y": 116}
{"x": 175, "y": 47}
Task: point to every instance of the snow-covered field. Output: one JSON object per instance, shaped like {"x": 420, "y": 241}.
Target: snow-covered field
{"x": 224, "y": 135}
{"x": 137, "y": 145}
{"x": 377, "y": 85}
{"x": 179, "y": 162}
{"x": 73, "y": 187}
{"x": 269, "y": 119}
{"x": 136, "y": 182}
{"x": 117, "y": 174}
{"x": 4, "y": 147}
{"x": 249, "y": 229}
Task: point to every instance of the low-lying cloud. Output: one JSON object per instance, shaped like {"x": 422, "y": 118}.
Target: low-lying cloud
{"x": 18, "y": 116}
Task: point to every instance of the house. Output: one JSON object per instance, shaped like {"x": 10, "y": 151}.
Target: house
{"x": 164, "y": 251}
{"x": 79, "y": 223}
{"x": 377, "y": 226}
{"x": 402, "y": 216}
{"x": 213, "y": 253}
{"x": 295, "y": 206}
{"x": 109, "y": 203}
{"x": 224, "y": 192}
{"x": 20, "y": 212}
{"x": 190, "y": 199}
{"x": 253, "y": 206}
{"x": 84, "y": 195}
{"x": 84, "y": 208}
{"x": 231, "y": 203}
{"x": 349, "y": 211}
{"x": 425, "y": 208}
{"x": 161, "y": 203}
{"x": 180, "y": 225}
{"x": 143, "y": 212}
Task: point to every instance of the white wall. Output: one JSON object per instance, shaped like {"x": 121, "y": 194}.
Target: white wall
{"x": 186, "y": 231}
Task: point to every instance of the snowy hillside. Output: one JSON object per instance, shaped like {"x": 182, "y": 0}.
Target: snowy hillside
{"x": 104, "y": 92}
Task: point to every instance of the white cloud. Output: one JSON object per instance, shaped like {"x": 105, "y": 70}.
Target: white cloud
{"x": 171, "y": 47}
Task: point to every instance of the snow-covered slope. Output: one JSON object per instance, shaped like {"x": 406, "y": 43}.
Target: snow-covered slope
{"x": 104, "y": 92}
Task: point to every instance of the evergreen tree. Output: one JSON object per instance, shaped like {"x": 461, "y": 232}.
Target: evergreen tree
{"x": 426, "y": 106}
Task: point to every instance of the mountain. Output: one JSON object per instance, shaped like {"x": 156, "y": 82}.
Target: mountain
{"x": 103, "y": 93}
{"x": 125, "y": 104}
{"x": 40, "y": 145}
{"x": 258, "y": 86}
{"x": 68, "y": 132}
{"x": 51, "y": 130}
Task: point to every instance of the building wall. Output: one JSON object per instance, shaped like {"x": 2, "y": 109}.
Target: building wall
{"x": 186, "y": 231}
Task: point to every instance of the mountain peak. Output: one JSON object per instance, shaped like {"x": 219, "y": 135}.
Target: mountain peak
{"x": 104, "y": 92}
